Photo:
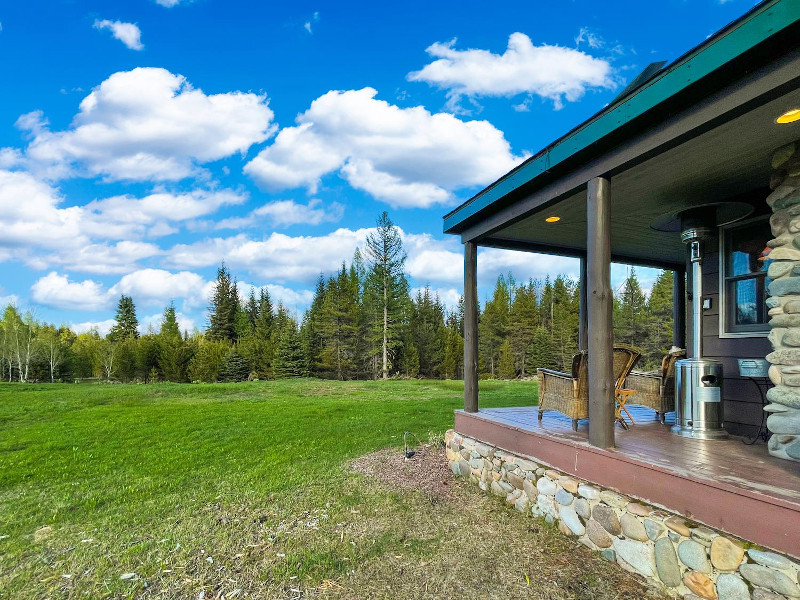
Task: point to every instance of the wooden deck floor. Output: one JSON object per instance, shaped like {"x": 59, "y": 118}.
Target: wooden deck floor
{"x": 724, "y": 483}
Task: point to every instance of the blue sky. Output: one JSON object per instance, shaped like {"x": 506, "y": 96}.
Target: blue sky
{"x": 143, "y": 142}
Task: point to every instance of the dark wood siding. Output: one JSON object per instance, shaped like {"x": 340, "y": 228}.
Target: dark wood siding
{"x": 742, "y": 397}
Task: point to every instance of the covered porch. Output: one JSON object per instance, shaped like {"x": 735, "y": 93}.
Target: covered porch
{"x": 702, "y": 132}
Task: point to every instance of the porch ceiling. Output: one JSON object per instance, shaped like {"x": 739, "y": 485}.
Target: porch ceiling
{"x": 730, "y": 160}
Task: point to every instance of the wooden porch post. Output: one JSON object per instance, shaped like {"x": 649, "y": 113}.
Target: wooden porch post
{"x": 599, "y": 304}
{"x": 470, "y": 327}
{"x": 679, "y": 308}
{"x": 583, "y": 326}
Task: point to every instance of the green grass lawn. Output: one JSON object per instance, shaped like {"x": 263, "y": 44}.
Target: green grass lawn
{"x": 203, "y": 490}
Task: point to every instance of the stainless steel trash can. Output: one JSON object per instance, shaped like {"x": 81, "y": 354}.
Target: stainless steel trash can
{"x": 698, "y": 399}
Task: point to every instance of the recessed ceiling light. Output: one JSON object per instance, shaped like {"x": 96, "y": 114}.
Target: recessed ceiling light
{"x": 790, "y": 116}
{"x": 556, "y": 219}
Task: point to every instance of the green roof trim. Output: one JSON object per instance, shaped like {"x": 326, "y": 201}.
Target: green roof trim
{"x": 757, "y": 26}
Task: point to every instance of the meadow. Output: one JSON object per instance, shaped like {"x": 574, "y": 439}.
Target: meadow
{"x": 247, "y": 490}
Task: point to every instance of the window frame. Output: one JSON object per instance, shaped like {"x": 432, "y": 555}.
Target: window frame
{"x": 744, "y": 331}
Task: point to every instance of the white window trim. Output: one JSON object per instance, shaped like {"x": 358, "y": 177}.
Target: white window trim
{"x": 723, "y": 334}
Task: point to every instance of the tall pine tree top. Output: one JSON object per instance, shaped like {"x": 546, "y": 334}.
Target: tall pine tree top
{"x": 127, "y": 325}
{"x": 224, "y": 309}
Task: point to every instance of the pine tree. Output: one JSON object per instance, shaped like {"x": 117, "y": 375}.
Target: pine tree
{"x": 127, "y": 325}
{"x": 453, "y": 362}
{"x": 505, "y": 362}
{"x": 388, "y": 285}
{"x": 542, "y": 354}
{"x": 630, "y": 320}
{"x": 493, "y": 325}
{"x": 525, "y": 317}
{"x": 225, "y": 308}
{"x": 659, "y": 320}
{"x": 428, "y": 332}
{"x": 234, "y": 368}
{"x": 173, "y": 353}
{"x": 290, "y": 360}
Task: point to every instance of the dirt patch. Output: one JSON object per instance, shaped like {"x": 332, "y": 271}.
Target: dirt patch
{"x": 427, "y": 471}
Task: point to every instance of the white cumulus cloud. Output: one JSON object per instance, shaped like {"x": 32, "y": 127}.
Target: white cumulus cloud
{"x": 406, "y": 157}
{"x": 157, "y": 286}
{"x": 285, "y": 213}
{"x": 57, "y": 291}
{"x": 127, "y": 33}
{"x": 552, "y": 72}
{"x": 102, "y": 327}
{"x": 147, "y": 125}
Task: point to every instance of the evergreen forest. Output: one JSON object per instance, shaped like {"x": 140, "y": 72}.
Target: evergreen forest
{"x": 363, "y": 323}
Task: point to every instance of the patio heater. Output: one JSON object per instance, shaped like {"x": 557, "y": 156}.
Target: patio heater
{"x": 698, "y": 380}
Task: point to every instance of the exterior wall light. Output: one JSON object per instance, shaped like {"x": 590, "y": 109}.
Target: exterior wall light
{"x": 556, "y": 219}
{"x": 790, "y": 116}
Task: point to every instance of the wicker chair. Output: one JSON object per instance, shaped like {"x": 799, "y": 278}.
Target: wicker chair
{"x": 656, "y": 390}
{"x": 569, "y": 393}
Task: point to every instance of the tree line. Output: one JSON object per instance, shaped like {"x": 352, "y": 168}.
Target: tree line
{"x": 363, "y": 323}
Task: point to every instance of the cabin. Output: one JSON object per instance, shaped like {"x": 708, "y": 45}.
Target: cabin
{"x": 695, "y": 167}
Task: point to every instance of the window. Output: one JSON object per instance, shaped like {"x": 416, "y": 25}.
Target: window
{"x": 744, "y": 274}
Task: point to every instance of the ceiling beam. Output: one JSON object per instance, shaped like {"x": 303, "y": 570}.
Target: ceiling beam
{"x": 573, "y": 252}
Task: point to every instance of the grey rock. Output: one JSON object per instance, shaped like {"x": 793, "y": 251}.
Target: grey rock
{"x": 570, "y": 518}
{"x": 607, "y": 518}
{"x": 793, "y": 450}
{"x": 474, "y": 454}
{"x": 773, "y": 302}
{"x": 792, "y": 306}
{"x": 769, "y": 559}
{"x": 563, "y": 497}
{"x": 463, "y": 468}
{"x": 785, "y": 423}
{"x": 547, "y": 505}
{"x": 704, "y": 536}
{"x": 781, "y": 445}
{"x": 614, "y": 499}
{"x": 786, "y": 320}
{"x": 732, "y": 587}
{"x": 653, "y": 529}
{"x": 636, "y": 554}
{"x": 780, "y": 268}
{"x": 669, "y": 571}
{"x": 507, "y": 487}
{"x": 609, "y": 555}
{"x": 455, "y": 468}
{"x": 546, "y": 486}
{"x": 673, "y": 536}
{"x": 785, "y": 356}
{"x": 529, "y": 489}
{"x": 476, "y": 463}
{"x": 483, "y": 449}
{"x": 515, "y": 480}
{"x": 497, "y": 489}
{"x": 694, "y": 556}
{"x": 632, "y": 528}
{"x": 589, "y": 492}
{"x": 598, "y": 535}
{"x": 788, "y": 202}
{"x": 582, "y": 507}
{"x": 784, "y": 396}
{"x": 762, "y": 594}
{"x": 769, "y": 578}
{"x": 549, "y": 518}
{"x": 522, "y": 503}
{"x": 526, "y": 465}
{"x": 785, "y": 286}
